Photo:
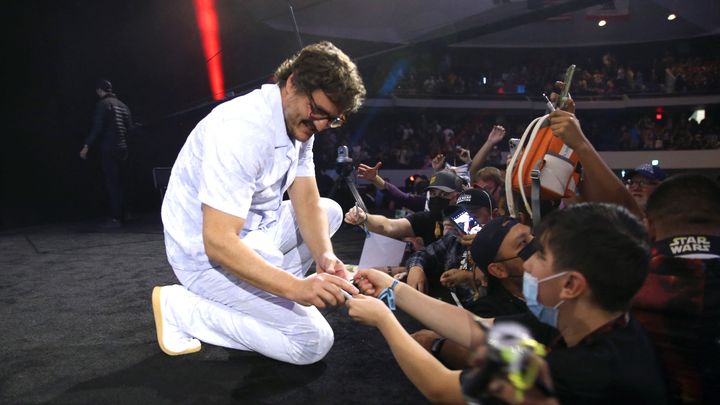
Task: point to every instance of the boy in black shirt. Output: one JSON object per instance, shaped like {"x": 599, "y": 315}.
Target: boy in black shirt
{"x": 590, "y": 261}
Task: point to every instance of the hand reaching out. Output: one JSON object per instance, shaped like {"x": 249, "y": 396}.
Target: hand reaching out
{"x": 368, "y": 173}
{"x": 368, "y": 310}
{"x": 322, "y": 290}
{"x": 496, "y": 135}
{"x": 464, "y": 154}
{"x": 355, "y": 216}
{"x": 456, "y": 278}
{"x": 372, "y": 282}
{"x": 438, "y": 162}
{"x": 417, "y": 279}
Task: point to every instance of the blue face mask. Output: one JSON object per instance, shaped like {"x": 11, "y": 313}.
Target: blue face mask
{"x": 546, "y": 315}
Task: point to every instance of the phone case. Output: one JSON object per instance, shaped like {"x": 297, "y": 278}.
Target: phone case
{"x": 465, "y": 222}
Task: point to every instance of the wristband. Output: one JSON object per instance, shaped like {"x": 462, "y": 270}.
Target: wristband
{"x": 365, "y": 219}
{"x": 388, "y": 295}
{"x": 437, "y": 345}
{"x": 364, "y": 223}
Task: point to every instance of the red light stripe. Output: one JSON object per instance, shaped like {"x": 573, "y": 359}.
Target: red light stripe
{"x": 207, "y": 22}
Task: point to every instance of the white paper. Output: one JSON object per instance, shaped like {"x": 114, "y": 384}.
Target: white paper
{"x": 381, "y": 251}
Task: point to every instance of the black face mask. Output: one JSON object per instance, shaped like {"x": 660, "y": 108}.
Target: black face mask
{"x": 436, "y": 205}
{"x": 528, "y": 250}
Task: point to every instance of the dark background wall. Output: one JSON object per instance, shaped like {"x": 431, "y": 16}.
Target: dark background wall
{"x": 59, "y": 49}
{"x": 151, "y": 51}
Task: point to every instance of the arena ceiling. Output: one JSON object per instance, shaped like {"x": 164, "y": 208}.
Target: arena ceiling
{"x": 493, "y": 23}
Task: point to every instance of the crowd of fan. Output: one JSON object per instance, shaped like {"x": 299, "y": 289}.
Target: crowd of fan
{"x": 611, "y": 297}
{"x": 410, "y": 141}
{"x": 532, "y": 72}
{"x": 642, "y": 322}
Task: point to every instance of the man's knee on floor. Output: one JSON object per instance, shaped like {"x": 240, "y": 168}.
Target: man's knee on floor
{"x": 313, "y": 346}
{"x": 334, "y": 213}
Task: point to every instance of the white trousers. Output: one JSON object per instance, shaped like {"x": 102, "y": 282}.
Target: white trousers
{"x": 218, "y": 308}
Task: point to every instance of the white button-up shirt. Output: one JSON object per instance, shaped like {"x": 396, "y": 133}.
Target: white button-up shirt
{"x": 239, "y": 160}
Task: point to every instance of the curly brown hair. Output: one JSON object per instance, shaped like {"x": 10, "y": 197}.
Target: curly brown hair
{"x": 323, "y": 66}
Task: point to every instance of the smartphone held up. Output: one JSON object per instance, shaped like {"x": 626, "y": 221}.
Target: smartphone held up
{"x": 465, "y": 221}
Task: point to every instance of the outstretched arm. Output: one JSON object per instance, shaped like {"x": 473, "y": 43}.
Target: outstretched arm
{"x": 224, "y": 246}
{"x": 447, "y": 320}
{"x": 371, "y": 174}
{"x": 434, "y": 380}
{"x": 599, "y": 183}
{"x": 393, "y": 228}
{"x": 411, "y": 201}
{"x": 494, "y": 137}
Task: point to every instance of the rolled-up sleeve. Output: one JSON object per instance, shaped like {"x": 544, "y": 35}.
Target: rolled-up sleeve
{"x": 306, "y": 166}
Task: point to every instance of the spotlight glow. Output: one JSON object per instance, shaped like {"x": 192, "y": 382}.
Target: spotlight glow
{"x": 602, "y": 23}
{"x": 207, "y": 22}
{"x": 671, "y": 17}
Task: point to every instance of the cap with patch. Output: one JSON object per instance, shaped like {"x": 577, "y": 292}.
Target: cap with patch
{"x": 446, "y": 180}
{"x": 487, "y": 241}
{"x": 476, "y": 198}
{"x": 646, "y": 169}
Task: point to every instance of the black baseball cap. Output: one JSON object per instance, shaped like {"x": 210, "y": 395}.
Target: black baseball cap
{"x": 446, "y": 180}
{"x": 487, "y": 241}
{"x": 475, "y": 198}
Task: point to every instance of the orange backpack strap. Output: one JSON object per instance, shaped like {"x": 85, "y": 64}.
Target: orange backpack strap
{"x": 535, "y": 154}
{"x": 511, "y": 167}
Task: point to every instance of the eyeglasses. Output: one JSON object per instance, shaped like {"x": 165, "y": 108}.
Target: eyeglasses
{"x": 641, "y": 183}
{"x": 506, "y": 259}
{"x": 528, "y": 250}
{"x": 317, "y": 113}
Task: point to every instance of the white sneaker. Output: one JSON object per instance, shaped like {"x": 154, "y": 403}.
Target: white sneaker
{"x": 172, "y": 340}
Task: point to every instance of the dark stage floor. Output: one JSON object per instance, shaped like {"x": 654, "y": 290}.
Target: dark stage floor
{"x": 77, "y": 328}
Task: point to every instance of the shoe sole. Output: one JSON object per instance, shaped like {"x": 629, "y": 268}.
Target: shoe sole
{"x": 157, "y": 314}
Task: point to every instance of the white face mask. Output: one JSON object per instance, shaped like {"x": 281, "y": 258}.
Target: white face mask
{"x": 546, "y": 315}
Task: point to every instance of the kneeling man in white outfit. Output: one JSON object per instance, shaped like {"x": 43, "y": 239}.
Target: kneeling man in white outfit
{"x": 239, "y": 251}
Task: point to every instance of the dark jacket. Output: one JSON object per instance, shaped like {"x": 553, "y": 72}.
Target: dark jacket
{"x": 111, "y": 124}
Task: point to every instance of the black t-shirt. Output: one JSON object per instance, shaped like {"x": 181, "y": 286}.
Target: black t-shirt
{"x": 619, "y": 366}
{"x": 423, "y": 225}
{"x": 614, "y": 365}
{"x": 498, "y": 302}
